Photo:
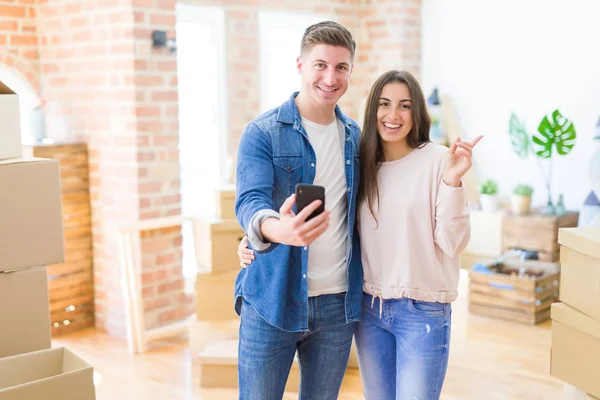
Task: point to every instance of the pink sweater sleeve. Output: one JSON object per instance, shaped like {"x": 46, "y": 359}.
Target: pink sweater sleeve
{"x": 452, "y": 223}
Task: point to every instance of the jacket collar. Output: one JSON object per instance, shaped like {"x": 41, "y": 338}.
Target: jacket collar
{"x": 289, "y": 114}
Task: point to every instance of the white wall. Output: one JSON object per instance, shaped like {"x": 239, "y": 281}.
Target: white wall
{"x": 494, "y": 57}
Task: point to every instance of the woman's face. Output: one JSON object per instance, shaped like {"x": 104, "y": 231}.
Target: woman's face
{"x": 394, "y": 113}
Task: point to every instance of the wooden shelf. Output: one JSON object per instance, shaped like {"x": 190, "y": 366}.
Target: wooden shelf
{"x": 71, "y": 283}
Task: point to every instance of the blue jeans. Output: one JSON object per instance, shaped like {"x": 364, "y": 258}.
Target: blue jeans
{"x": 266, "y": 353}
{"x": 403, "y": 354}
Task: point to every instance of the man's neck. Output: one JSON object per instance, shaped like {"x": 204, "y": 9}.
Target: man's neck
{"x": 319, "y": 114}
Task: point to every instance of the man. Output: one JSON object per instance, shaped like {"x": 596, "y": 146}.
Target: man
{"x": 303, "y": 291}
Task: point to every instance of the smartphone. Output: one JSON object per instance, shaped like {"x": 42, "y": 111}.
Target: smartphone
{"x": 306, "y": 194}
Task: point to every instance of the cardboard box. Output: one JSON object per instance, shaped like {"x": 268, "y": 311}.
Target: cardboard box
{"x": 585, "y": 240}
{"x": 486, "y": 233}
{"x": 580, "y": 269}
{"x": 10, "y": 130}
{"x": 218, "y": 364}
{"x": 217, "y": 244}
{"x": 202, "y": 333}
{"x": 226, "y": 202}
{"x": 214, "y": 297}
{"x": 24, "y": 311}
{"x": 575, "y": 355}
{"x": 31, "y": 228}
{"x": 53, "y": 374}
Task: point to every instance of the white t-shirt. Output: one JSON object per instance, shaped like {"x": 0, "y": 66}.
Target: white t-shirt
{"x": 327, "y": 255}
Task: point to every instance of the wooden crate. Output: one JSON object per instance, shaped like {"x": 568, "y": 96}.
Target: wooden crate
{"x": 70, "y": 284}
{"x": 536, "y": 232}
{"x": 524, "y": 299}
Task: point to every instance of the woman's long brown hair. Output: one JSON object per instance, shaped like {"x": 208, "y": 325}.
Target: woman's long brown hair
{"x": 371, "y": 149}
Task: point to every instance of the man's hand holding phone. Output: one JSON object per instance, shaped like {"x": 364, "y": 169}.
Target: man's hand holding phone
{"x": 292, "y": 229}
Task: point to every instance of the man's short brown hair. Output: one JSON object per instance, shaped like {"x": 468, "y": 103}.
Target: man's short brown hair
{"x": 330, "y": 33}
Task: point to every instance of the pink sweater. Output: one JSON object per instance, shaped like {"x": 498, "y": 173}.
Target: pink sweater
{"x": 423, "y": 227}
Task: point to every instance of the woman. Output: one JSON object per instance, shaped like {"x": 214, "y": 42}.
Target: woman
{"x": 413, "y": 223}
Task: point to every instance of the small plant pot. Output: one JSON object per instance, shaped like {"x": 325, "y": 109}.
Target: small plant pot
{"x": 489, "y": 202}
{"x": 520, "y": 204}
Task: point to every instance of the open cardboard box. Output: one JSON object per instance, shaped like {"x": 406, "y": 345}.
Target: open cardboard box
{"x": 52, "y": 374}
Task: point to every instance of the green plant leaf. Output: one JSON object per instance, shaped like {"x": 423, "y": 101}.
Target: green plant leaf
{"x": 518, "y": 136}
{"x": 559, "y": 133}
{"x": 488, "y": 186}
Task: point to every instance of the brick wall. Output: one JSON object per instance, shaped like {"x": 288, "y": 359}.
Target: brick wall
{"x": 158, "y": 163}
{"x": 19, "y": 40}
{"x": 104, "y": 84}
{"x": 390, "y": 38}
{"x": 87, "y": 80}
{"x": 242, "y": 39}
{"x": 387, "y": 33}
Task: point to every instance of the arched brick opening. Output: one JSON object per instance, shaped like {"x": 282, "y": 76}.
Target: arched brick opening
{"x": 23, "y": 80}
{"x": 21, "y": 69}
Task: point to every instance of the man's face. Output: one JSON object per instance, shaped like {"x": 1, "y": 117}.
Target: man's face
{"x": 325, "y": 72}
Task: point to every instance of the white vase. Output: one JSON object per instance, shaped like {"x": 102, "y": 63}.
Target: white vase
{"x": 521, "y": 205}
{"x": 488, "y": 202}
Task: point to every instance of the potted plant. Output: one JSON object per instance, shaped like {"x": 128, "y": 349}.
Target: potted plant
{"x": 555, "y": 137}
{"x": 488, "y": 195}
{"x": 521, "y": 199}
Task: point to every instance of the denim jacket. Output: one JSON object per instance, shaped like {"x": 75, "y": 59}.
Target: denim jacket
{"x": 274, "y": 155}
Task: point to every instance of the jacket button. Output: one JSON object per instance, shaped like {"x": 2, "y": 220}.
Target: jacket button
{"x": 348, "y": 162}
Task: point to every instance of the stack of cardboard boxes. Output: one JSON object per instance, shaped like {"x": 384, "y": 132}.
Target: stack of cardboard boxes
{"x": 31, "y": 236}
{"x": 575, "y": 354}
{"x": 214, "y": 328}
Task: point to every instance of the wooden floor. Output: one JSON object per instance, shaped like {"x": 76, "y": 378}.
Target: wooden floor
{"x": 489, "y": 360}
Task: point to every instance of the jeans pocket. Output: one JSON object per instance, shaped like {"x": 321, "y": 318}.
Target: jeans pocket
{"x": 428, "y": 308}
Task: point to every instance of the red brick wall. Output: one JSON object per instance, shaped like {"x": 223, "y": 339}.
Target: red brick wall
{"x": 158, "y": 163}
{"x": 242, "y": 30}
{"x": 18, "y": 38}
{"x": 390, "y": 38}
{"x": 88, "y": 75}
{"x": 104, "y": 84}
{"x": 387, "y": 33}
